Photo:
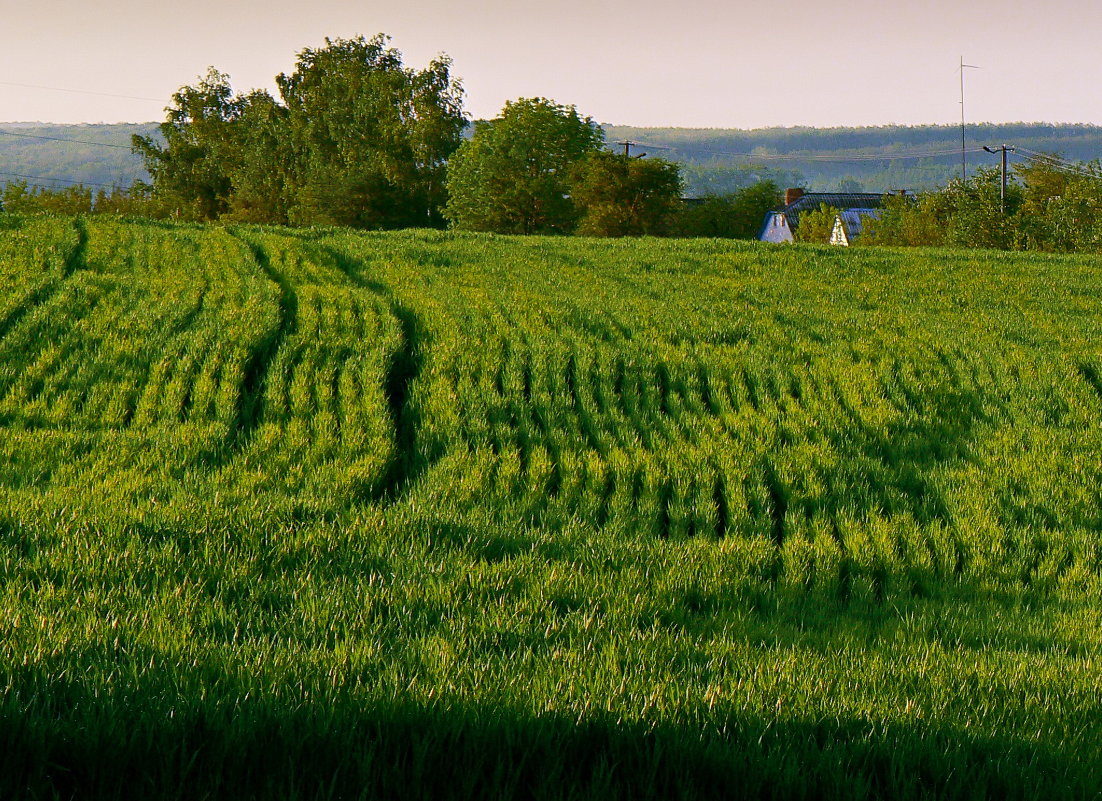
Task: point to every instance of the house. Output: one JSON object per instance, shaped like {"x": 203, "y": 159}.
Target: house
{"x": 848, "y": 225}
{"x": 780, "y": 226}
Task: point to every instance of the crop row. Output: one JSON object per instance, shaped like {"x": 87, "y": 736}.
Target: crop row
{"x": 713, "y": 418}
{"x": 414, "y": 513}
{"x": 669, "y": 399}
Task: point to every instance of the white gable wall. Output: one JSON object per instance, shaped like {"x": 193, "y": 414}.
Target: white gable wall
{"x": 838, "y": 235}
{"x": 776, "y": 229}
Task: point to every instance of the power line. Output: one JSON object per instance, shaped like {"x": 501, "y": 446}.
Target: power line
{"x": 62, "y": 139}
{"x": 80, "y": 91}
{"x": 62, "y": 180}
{"x": 1061, "y": 164}
{"x": 1052, "y": 158}
{"x": 1046, "y": 156}
{"x": 1065, "y": 169}
{"x": 839, "y": 159}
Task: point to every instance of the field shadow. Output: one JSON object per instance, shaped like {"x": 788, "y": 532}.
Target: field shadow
{"x": 61, "y": 740}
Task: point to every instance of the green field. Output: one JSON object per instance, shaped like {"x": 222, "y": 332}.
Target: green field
{"x": 324, "y": 514}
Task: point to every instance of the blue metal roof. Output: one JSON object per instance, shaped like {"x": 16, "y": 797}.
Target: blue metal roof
{"x": 853, "y": 219}
{"x": 810, "y": 201}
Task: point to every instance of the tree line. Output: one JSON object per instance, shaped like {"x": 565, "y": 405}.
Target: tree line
{"x": 1049, "y": 205}
{"x": 355, "y": 138}
{"x": 710, "y": 160}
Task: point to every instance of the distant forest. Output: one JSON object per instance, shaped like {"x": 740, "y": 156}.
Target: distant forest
{"x": 713, "y": 161}
{"x": 30, "y": 151}
{"x": 709, "y": 167}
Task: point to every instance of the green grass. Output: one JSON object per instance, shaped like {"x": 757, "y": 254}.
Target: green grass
{"x": 332, "y": 515}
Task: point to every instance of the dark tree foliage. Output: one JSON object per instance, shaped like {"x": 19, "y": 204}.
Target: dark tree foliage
{"x": 513, "y": 175}
{"x": 260, "y": 173}
{"x": 621, "y": 196}
{"x": 358, "y": 140}
{"x": 193, "y": 167}
{"x": 734, "y": 216}
{"x": 1048, "y": 207}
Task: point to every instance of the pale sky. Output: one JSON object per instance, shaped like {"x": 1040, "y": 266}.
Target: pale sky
{"x": 682, "y": 63}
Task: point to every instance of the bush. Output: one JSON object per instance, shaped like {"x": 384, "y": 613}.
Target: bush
{"x": 737, "y": 215}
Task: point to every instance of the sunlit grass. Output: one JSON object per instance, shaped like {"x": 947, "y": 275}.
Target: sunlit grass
{"x": 325, "y": 514}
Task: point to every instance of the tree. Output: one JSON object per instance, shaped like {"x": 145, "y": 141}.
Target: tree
{"x": 737, "y": 215}
{"x": 358, "y": 139}
{"x": 1061, "y": 208}
{"x": 194, "y": 166}
{"x": 369, "y": 138}
{"x": 975, "y": 217}
{"x": 904, "y": 220}
{"x": 817, "y": 225}
{"x": 621, "y": 196}
{"x": 513, "y": 175}
{"x": 261, "y": 166}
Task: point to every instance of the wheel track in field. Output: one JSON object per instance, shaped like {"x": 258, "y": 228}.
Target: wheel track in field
{"x": 74, "y": 260}
{"x": 413, "y": 457}
{"x": 723, "y": 510}
{"x": 402, "y": 371}
{"x": 1091, "y": 376}
{"x": 250, "y": 409}
{"x": 777, "y": 508}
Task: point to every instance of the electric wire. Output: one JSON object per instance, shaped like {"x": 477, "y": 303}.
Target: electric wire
{"x": 63, "y": 139}
{"x": 80, "y": 91}
{"x": 838, "y": 159}
{"x": 1058, "y": 163}
{"x": 61, "y": 180}
{"x": 1066, "y": 170}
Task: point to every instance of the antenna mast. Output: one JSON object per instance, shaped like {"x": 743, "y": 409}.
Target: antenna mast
{"x": 963, "y": 157}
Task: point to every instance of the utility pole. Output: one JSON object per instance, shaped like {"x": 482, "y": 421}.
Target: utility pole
{"x": 627, "y": 149}
{"x": 963, "y": 157}
{"x": 1002, "y": 149}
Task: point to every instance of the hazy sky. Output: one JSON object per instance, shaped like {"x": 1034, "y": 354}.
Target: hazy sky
{"x": 688, "y": 63}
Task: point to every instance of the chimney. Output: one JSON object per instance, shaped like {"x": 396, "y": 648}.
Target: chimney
{"x": 791, "y": 195}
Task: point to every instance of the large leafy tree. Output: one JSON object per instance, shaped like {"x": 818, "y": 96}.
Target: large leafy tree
{"x": 1061, "y": 207}
{"x": 358, "y": 139}
{"x": 621, "y": 196}
{"x": 193, "y": 168}
{"x": 262, "y": 162}
{"x": 513, "y": 175}
{"x": 370, "y": 137}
